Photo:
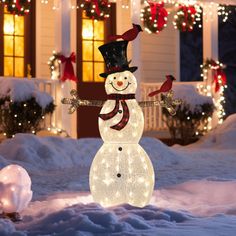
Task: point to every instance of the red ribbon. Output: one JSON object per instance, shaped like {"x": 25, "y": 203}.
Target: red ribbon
{"x": 68, "y": 72}
{"x": 158, "y": 12}
{"x": 219, "y": 78}
{"x": 187, "y": 10}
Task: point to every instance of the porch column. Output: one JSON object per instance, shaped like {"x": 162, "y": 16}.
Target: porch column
{"x": 210, "y": 31}
{"x": 63, "y": 45}
{"x": 135, "y": 7}
{"x": 210, "y": 44}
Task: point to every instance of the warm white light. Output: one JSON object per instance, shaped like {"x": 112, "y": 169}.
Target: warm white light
{"x": 15, "y": 193}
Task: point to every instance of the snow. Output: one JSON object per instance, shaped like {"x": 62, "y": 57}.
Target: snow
{"x": 194, "y": 193}
{"x": 23, "y": 89}
{"x": 191, "y": 97}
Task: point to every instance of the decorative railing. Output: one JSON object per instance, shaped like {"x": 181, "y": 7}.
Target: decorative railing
{"x": 153, "y": 115}
{"x": 52, "y": 87}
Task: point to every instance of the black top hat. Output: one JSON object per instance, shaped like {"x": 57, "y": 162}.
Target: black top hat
{"x": 115, "y": 57}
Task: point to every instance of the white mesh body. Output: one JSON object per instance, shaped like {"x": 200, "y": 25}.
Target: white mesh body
{"x": 131, "y": 133}
{"x": 121, "y": 171}
{"x": 135, "y": 183}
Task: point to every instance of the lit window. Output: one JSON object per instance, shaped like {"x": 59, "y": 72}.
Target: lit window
{"x": 13, "y": 51}
{"x": 92, "y": 38}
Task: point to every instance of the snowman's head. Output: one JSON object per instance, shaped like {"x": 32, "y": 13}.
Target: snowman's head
{"x": 121, "y": 82}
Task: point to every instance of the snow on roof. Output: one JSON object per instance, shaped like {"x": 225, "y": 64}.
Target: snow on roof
{"x": 190, "y": 96}
{"x": 22, "y": 89}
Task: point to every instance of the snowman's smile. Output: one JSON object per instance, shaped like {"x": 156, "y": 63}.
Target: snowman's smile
{"x": 120, "y": 89}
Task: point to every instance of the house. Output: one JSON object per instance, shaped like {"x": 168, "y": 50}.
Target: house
{"x": 28, "y": 43}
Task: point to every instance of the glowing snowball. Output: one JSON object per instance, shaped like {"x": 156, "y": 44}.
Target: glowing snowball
{"x": 15, "y": 189}
{"x": 121, "y": 171}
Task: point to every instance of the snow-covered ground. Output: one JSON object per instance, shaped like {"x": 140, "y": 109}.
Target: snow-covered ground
{"x": 195, "y": 191}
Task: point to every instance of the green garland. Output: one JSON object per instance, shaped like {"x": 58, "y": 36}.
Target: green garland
{"x": 18, "y": 7}
{"x": 54, "y": 64}
{"x": 96, "y": 9}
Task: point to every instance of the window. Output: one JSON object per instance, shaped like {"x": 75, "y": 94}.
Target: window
{"x": 13, "y": 49}
{"x": 17, "y": 47}
{"x": 92, "y": 37}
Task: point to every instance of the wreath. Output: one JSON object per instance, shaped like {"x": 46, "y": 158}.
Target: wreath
{"x": 96, "y": 9}
{"x": 184, "y": 19}
{"x": 54, "y": 64}
{"x": 18, "y": 7}
{"x": 219, "y": 77}
{"x": 154, "y": 17}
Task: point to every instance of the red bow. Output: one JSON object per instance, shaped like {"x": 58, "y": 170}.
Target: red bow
{"x": 158, "y": 11}
{"x": 219, "y": 78}
{"x": 68, "y": 72}
{"x": 187, "y": 10}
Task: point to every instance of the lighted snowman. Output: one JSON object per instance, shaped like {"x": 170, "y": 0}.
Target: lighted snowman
{"x": 121, "y": 171}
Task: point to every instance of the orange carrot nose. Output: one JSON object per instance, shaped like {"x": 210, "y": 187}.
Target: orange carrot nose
{"x": 119, "y": 83}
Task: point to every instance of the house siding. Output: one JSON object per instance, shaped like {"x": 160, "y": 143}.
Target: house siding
{"x": 45, "y": 37}
{"x": 160, "y": 54}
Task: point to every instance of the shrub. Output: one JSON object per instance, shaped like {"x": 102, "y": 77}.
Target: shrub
{"x": 191, "y": 119}
{"x": 22, "y": 117}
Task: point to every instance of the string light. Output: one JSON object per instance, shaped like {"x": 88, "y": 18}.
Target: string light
{"x": 207, "y": 69}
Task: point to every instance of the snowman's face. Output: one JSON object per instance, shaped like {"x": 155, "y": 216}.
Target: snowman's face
{"x": 121, "y": 82}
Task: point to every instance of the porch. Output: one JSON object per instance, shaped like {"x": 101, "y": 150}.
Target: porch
{"x": 154, "y": 124}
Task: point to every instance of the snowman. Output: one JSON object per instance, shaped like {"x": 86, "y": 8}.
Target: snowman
{"x": 121, "y": 171}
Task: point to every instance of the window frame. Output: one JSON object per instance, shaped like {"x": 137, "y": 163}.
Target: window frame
{"x": 29, "y": 40}
{"x": 109, "y": 29}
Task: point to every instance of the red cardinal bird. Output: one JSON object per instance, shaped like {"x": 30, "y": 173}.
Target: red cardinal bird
{"x": 165, "y": 87}
{"x": 128, "y": 35}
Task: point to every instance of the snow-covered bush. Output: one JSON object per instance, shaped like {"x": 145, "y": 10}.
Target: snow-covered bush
{"x": 192, "y": 115}
{"x": 22, "y": 106}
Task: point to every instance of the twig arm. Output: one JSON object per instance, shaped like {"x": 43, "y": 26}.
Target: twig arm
{"x": 168, "y": 102}
{"x": 76, "y": 102}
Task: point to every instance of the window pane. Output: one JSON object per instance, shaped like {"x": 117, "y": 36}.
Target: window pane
{"x": 87, "y": 50}
{"x": 19, "y": 46}
{"x": 19, "y": 25}
{"x": 97, "y": 54}
{"x": 98, "y": 69}
{"x": 19, "y": 67}
{"x": 8, "y": 66}
{"x": 98, "y": 30}
{"x": 87, "y": 71}
{"x": 87, "y": 31}
{"x": 8, "y": 45}
{"x": 8, "y": 24}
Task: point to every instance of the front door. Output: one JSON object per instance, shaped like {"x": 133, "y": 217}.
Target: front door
{"x": 90, "y": 35}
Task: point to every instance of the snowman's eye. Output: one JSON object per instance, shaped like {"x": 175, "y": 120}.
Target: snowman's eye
{"x": 125, "y": 78}
{"x": 114, "y": 77}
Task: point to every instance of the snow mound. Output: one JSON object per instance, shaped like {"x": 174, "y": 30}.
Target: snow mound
{"x": 7, "y": 228}
{"x": 92, "y": 219}
{"x": 200, "y": 197}
{"x": 223, "y": 136}
{"x": 57, "y": 152}
{"x": 23, "y": 89}
{"x": 49, "y": 152}
{"x": 190, "y": 97}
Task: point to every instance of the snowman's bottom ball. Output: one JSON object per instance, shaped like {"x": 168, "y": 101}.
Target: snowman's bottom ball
{"x": 121, "y": 174}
